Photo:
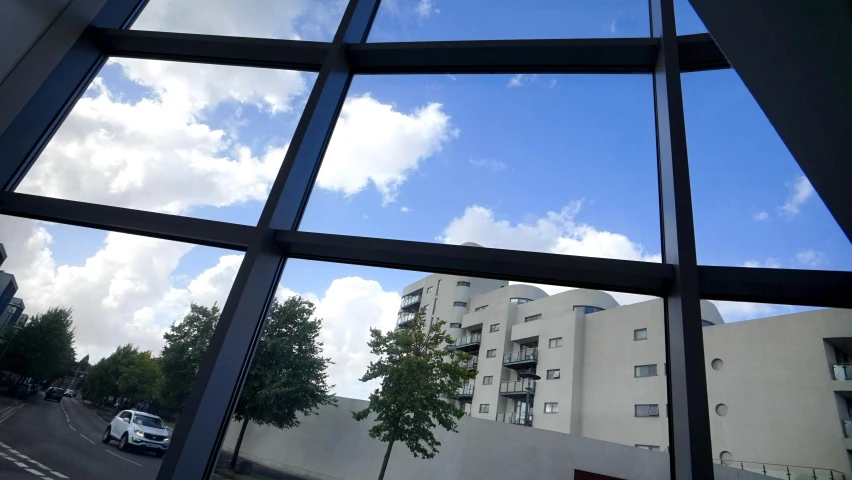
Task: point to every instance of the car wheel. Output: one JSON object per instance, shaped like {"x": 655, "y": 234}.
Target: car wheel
{"x": 122, "y": 444}
{"x": 159, "y": 453}
{"x": 106, "y": 438}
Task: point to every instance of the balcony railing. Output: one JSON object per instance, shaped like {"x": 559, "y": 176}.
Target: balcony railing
{"x": 784, "y": 471}
{"x": 405, "y": 317}
{"x": 847, "y": 428}
{"x": 513, "y": 418}
{"x": 468, "y": 340}
{"x": 842, "y": 371}
{"x": 466, "y": 390}
{"x": 519, "y": 386}
{"x": 409, "y": 300}
{"x": 470, "y": 364}
{"x": 524, "y": 356}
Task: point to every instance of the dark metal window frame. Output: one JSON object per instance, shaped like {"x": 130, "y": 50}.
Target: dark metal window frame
{"x": 490, "y": 379}
{"x": 27, "y": 123}
{"x": 554, "y": 407}
{"x": 491, "y": 353}
{"x": 554, "y": 374}
{"x": 550, "y": 343}
{"x": 651, "y": 368}
{"x": 643, "y": 330}
{"x": 487, "y": 406}
{"x": 495, "y": 327}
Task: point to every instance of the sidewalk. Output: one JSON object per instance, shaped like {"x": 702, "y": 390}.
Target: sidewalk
{"x": 105, "y": 414}
{"x": 258, "y": 472}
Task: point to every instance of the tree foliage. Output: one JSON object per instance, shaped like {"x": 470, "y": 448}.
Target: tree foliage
{"x": 44, "y": 347}
{"x": 186, "y": 343}
{"x": 141, "y": 378}
{"x": 418, "y": 374}
{"x": 127, "y": 372}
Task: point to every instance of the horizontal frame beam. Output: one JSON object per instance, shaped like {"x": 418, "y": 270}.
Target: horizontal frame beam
{"x": 814, "y": 288}
{"x": 126, "y": 220}
{"x": 211, "y": 49}
{"x": 529, "y": 267}
{"x": 619, "y": 55}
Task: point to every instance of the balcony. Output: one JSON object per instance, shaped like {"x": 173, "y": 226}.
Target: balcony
{"x": 773, "y": 470}
{"x": 470, "y": 364}
{"x": 410, "y": 301}
{"x": 466, "y": 392}
{"x": 842, "y": 371}
{"x": 513, "y": 418}
{"x": 467, "y": 344}
{"x": 517, "y": 389}
{"x": 521, "y": 360}
{"x": 404, "y": 318}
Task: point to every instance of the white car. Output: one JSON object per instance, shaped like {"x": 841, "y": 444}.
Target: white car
{"x": 138, "y": 430}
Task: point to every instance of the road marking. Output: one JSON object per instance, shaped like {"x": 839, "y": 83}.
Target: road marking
{"x": 34, "y": 472}
{"x": 24, "y": 456}
{"x": 87, "y": 439}
{"x": 14, "y": 404}
{"x": 126, "y": 460}
{"x": 40, "y": 465}
{"x": 72, "y": 427}
{"x": 56, "y": 474}
{"x": 9, "y": 412}
{"x": 14, "y": 451}
{"x": 20, "y": 464}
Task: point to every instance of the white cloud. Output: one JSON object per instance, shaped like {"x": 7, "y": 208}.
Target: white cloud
{"x": 425, "y": 8}
{"x": 739, "y": 311}
{"x": 404, "y": 209}
{"x": 612, "y": 26}
{"x": 811, "y": 258}
{"x": 494, "y": 165}
{"x": 800, "y": 192}
{"x": 760, "y": 216}
{"x": 769, "y": 263}
{"x": 374, "y": 143}
{"x": 521, "y": 79}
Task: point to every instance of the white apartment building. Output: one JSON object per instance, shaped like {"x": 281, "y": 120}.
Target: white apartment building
{"x": 778, "y": 386}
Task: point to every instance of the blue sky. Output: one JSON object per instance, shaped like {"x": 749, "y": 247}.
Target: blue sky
{"x": 558, "y": 163}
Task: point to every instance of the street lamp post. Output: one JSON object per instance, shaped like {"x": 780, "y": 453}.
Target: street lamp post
{"x": 528, "y": 376}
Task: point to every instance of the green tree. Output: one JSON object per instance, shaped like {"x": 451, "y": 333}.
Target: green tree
{"x": 141, "y": 378}
{"x": 419, "y": 374}
{"x": 103, "y": 378}
{"x": 44, "y": 347}
{"x": 186, "y": 343}
{"x": 289, "y": 374}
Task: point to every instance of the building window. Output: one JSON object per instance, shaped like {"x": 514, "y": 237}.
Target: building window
{"x": 587, "y": 309}
{"x": 551, "y": 407}
{"x": 532, "y": 318}
{"x": 646, "y": 410}
{"x": 455, "y": 325}
{"x": 491, "y": 353}
{"x": 645, "y": 371}
{"x": 428, "y": 289}
{"x": 460, "y": 304}
{"x": 553, "y": 374}
{"x": 555, "y": 342}
{"x": 519, "y": 300}
{"x": 483, "y": 408}
{"x": 480, "y": 308}
{"x": 487, "y": 380}
{"x": 653, "y": 448}
{"x": 462, "y": 284}
{"x": 706, "y": 323}
{"x": 494, "y": 328}
{"x": 640, "y": 334}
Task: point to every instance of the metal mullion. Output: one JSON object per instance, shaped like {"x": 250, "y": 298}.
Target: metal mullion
{"x": 690, "y": 452}
{"x": 126, "y": 220}
{"x": 202, "y": 427}
{"x": 212, "y": 49}
{"x": 814, "y": 288}
{"x": 529, "y": 267}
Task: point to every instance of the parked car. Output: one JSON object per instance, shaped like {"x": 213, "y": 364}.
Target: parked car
{"x": 23, "y": 390}
{"x": 70, "y": 393}
{"x": 54, "y": 393}
{"x": 138, "y": 430}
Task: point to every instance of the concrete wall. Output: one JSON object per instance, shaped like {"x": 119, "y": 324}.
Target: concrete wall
{"x": 332, "y": 446}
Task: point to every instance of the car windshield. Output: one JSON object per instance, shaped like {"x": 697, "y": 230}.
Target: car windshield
{"x": 147, "y": 421}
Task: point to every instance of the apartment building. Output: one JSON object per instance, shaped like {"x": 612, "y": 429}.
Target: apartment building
{"x": 779, "y": 391}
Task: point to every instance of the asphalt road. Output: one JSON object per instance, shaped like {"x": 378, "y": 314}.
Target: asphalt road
{"x": 45, "y": 439}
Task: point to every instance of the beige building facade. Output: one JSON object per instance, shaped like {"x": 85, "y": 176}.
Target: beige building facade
{"x": 777, "y": 386}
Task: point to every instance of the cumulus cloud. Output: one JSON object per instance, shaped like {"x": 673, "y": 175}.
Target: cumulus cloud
{"x": 376, "y": 144}
{"x": 811, "y": 258}
{"x": 800, "y": 191}
{"x": 760, "y": 216}
{"x": 425, "y": 8}
{"x": 521, "y": 79}
{"x": 768, "y": 263}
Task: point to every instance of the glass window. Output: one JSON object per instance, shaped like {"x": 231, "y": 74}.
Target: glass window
{"x": 428, "y": 289}
{"x": 555, "y": 342}
{"x": 486, "y": 380}
{"x": 491, "y": 353}
{"x": 477, "y": 309}
{"x": 462, "y": 284}
{"x": 519, "y": 300}
{"x": 553, "y": 374}
{"x": 645, "y": 371}
{"x": 587, "y": 309}
{"x": 148, "y": 421}
{"x": 460, "y": 304}
{"x": 532, "y": 318}
{"x": 455, "y": 325}
{"x": 640, "y": 334}
{"x": 551, "y": 407}
{"x": 495, "y": 327}
{"x": 707, "y": 323}
{"x": 647, "y": 410}
{"x": 483, "y": 408}
{"x": 653, "y": 448}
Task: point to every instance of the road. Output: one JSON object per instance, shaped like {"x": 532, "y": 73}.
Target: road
{"x": 49, "y": 440}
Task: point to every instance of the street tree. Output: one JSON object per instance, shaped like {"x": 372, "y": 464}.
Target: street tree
{"x": 44, "y": 347}
{"x": 104, "y": 377}
{"x": 420, "y": 377}
{"x": 141, "y": 378}
{"x": 289, "y": 374}
{"x": 186, "y": 342}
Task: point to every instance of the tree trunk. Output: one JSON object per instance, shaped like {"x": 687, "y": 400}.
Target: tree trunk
{"x": 239, "y": 444}
{"x": 385, "y": 461}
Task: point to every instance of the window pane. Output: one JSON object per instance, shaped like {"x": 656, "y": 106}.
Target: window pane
{"x": 352, "y": 299}
{"x": 753, "y": 206}
{"x": 109, "y": 322}
{"x": 197, "y": 140}
{"x": 757, "y": 414}
{"x": 291, "y": 20}
{"x": 426, "y": 20}
{"x": 492, "y": 142}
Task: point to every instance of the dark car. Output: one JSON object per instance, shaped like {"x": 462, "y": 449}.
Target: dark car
{"x": 23, "y": 390}
{"x": 54, "y": 393}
